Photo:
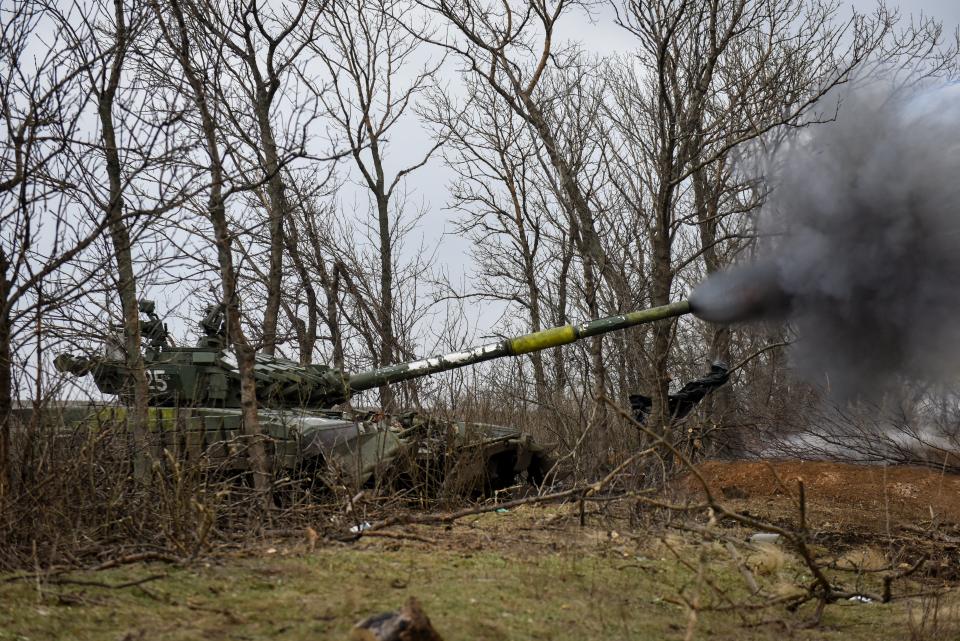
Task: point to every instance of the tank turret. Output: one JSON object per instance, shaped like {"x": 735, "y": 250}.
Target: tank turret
{"x": 206, "y": 375}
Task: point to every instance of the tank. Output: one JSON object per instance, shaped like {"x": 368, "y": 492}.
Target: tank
{"x": 303, "y": 410}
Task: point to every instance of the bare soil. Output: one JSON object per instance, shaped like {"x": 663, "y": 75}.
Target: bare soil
{"x": 865, "y": 498}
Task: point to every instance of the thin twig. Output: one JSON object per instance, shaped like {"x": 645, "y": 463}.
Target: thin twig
{"x": 110, "y": 586}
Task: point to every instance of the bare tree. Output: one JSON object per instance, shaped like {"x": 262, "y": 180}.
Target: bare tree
{"x": 106, "y": 91}
{"x": 571, "y": 100}
{"x": 131, "y": 149}
{"x": 511, "y": 46}
{"x": 260, "y": 47}
{"x": 306, "y": 331}
{"x": 172, "y": 23}
{"x": 366, "y": 51}
{"x": 705, "y": 79}
{"x": 500, "y": 192}
{"x": 312, "y": 282}
{"x": 42, "y": 99}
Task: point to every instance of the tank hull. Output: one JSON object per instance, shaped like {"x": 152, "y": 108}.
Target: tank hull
{"x": 338, "y": 448}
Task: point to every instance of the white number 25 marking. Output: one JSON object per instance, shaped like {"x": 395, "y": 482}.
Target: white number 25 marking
{"x": 157, "y": 380}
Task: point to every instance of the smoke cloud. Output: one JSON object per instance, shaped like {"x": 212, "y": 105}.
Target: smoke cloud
{"x": 862, "y": 248}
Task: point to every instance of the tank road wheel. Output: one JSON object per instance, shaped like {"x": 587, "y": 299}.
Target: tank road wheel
{"x": 540, "y": 466}
{"x": 501, "y": 472}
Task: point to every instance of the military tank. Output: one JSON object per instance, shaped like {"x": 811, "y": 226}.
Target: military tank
{"x": 195, "y": 412}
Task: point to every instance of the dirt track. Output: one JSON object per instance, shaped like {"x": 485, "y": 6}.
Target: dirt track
{"x": 840, "y": 495}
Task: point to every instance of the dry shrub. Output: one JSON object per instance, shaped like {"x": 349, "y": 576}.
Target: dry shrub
{"x": 929, "y": 619}
{"x": 788, "y": 590}
{"x": 867, "y": 559}
{"x": 586, "y": 435}
{"x": 75, "y": 500}
{"x": 767, "y": 559}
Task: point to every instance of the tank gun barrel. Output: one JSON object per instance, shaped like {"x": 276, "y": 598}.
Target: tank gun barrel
{"x": 533, "y": 342}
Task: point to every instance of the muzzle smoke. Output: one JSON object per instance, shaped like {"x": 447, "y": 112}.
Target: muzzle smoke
{"x": 862, "y": 248}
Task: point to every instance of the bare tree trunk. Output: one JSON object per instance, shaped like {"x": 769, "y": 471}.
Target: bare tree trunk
{"x": 561, "y": 316}
{"x": 279, "y": 210}
{"x": 120, "y": 236}
{"x": 6, "y": 383}
{"x": 330, "y": 282}
{"x": 536, "y": 358}
{"x": 306, "y": 331}
{"x": 216, "y": 210}
{"x": 387, "y": 337}
{"x": 661, "y": 269}
{"x": 333, "y": 316}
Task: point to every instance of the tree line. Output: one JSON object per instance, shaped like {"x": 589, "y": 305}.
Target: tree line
{"x": 208, "y": 145}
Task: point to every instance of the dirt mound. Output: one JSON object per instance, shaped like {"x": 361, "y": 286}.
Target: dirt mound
{"x": 839, "y": 495}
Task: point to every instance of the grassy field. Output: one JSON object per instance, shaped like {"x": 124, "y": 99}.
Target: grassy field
{"x": 529, "y": 574}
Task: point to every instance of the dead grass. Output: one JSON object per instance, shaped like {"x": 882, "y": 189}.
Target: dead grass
{"x": 529, "y": 574}
{"x": 931, "y": 618}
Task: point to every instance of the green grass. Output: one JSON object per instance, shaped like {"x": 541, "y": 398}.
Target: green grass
{"x": 488, "y": 581}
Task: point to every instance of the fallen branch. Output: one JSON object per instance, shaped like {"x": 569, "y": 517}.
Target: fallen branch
{"x": 401, "y": 536}
{"x": 579, "y": 493}
{"x": 110, "y": 586}
{"x": 50, "y": 575}
{"x": 890, "y": 578}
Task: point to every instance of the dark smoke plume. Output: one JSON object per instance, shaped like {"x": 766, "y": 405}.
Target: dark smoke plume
{"x": 862, "y": 248}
